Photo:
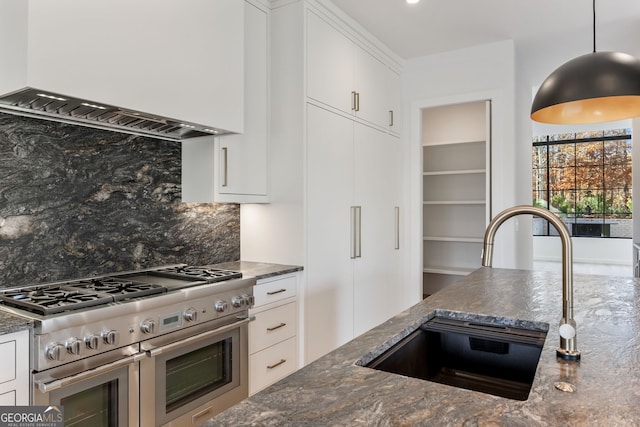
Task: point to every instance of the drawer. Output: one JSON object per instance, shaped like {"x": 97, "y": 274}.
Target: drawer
{"x": 8, "y": 357}
{"x": 272, "y": 326}
{"x": 277, "y": 289}
{"x": 8, "y": 398}
{"x": 272, "y": 364}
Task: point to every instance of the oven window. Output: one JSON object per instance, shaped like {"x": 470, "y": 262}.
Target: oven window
{"x": 197, "y": 373}
{"x": 94, "y": 407}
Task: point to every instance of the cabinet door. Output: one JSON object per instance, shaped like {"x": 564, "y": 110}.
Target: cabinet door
{"x": 370, "y": 83}
{"x": 14, "y": 375}
{"x": 329, "y": 64}
{"x": 243, "y": 158}
{"x": 377, "y": 285}
{"x": 329, "y": 271}
{"x": 233, "y": 168}
{"x": 394, "y": 101}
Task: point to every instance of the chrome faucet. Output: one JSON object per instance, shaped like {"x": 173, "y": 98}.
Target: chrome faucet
{"x": 567, "y": 328}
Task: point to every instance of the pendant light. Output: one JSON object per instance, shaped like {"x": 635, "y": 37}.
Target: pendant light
{"x": 592, "y": 88}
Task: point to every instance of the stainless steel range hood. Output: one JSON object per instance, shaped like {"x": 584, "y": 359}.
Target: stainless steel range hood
{"x": 42, "y": 104}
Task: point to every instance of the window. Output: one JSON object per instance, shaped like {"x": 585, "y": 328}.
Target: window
{"x": 585, "y": 178}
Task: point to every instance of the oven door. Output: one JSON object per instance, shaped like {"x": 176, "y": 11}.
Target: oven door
{"x": 96, "y": 391}
{"x": 193, "y": 374}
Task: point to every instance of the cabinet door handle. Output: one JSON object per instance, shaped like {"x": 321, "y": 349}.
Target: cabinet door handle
{"x": 397, "y": 247}
{"x": 357, "y": 101}
{"x": 273, "y": 328}
{"x": 276, "y": 364}
{"x": 353, "y": 100}
{"x": 390, "y": 117}
{"x": 224, "y": 166}
{"x": 356, "y": 232}
{"x": 279, "y": 291}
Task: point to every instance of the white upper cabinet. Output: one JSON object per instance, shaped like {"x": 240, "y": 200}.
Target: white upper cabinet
{"x": 371, "y": 87}
{"x": 330, "y": 64}
{"x": 394, "y": 102}
{"x": 242, "y": 165}
{"x": 343, "y": 75}
{"x": 173, "y": 58}
{"x": 234, "y": 168}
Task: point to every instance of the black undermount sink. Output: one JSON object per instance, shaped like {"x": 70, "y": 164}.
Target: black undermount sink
{"x": 498, "y": 360}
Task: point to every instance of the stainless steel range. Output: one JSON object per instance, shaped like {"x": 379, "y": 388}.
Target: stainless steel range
{"x": 166, "y": 346}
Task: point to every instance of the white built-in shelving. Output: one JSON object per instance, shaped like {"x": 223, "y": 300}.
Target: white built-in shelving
{"x": 456, "y": 189}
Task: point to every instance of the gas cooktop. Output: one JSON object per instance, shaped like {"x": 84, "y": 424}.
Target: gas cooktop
{"x": 81, "y": 294}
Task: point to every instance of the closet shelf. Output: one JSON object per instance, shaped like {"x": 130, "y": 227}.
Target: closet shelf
{"x": 454, "y": 202}
{"x": 454, "y": 239}
{"x": 439, "y": 143}
{"x": 455, "y": 172}
{"x": 446, "y": 269}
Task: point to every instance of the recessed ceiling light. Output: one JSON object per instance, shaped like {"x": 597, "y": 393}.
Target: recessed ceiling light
{"x": 412, "y": 1}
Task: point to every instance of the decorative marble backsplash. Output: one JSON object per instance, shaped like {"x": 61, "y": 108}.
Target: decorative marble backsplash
{"x": 77, "y": 201}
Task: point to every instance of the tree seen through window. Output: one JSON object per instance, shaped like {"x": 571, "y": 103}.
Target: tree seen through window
{"x": 585, "y": 178}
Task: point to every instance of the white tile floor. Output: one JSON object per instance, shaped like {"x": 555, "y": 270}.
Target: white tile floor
{"x": 583, "y": 268}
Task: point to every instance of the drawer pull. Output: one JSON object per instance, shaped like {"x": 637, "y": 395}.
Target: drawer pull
{"x": 276, "y": 364}
{"x": 279, "y": 291}
{"x": 276, "y": 327}
{"x": 200, "y": 415}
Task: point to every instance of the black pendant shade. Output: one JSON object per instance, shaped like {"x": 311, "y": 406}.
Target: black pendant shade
{"x": 592, "y": 88}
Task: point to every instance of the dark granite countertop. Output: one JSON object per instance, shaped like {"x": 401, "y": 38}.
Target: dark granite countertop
{"x": 333, "y": 391}
{"x": 259, "y": 270}
{"x": 13, "y": 323}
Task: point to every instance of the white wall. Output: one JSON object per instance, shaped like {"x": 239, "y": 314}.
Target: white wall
{"x": 590, "y": 250}
{"x": 512, "y": 70}
{"x": 483, "y": 72}
{"x": 535, "y": 60}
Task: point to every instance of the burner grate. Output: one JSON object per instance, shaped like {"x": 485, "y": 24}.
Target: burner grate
{"x": 53, "y": 299}
{"x": 210, "y": 275}
{"x": 119, "y": 289}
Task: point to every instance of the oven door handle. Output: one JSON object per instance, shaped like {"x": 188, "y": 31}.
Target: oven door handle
{"x": 46, "y": 387}
{"x": 195, "y": 338}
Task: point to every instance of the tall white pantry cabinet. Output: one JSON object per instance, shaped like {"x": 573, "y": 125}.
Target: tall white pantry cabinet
{"x": 335, "y": 109}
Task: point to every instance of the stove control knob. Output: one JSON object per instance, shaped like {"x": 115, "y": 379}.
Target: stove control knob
{"x": 220, "y": 306}
{"x": 238, "y": 302}
{"x": 74, "y": 346}
{"x": 56, "y": 351}
{"x": 249, "y": 299}
{"x": 190, "y": 314}
{"x": 148, "y": 326}
{"x": 92, "y": 341}
{"x": 111, "y": 337}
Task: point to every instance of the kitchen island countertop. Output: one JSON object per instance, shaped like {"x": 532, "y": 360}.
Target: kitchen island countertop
{"x": 334, "y": 391}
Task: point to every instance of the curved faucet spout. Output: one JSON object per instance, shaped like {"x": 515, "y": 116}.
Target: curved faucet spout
{"x": 567, "y": 329}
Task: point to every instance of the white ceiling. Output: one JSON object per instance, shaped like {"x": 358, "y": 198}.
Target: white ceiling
{"x": 433, "y": 26}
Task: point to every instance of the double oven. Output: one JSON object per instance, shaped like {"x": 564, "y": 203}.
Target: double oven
{"x": 174, "y": 355}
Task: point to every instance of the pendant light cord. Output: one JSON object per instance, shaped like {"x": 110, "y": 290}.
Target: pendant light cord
{"x": 594, "y": 26}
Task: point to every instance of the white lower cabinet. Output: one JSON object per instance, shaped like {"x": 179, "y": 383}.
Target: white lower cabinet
{"x": 14, "y": 375}
{"x": 271, "y": 364}
{"x": 273, "y": 333}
